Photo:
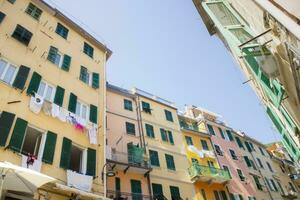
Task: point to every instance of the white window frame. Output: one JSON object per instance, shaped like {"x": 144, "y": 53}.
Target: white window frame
{"x": 47, "y": 85}
{"x": 59, "y": 64}
{"x": 83, "y": 160}
{"x": 80, "y": 111}
{"x": 89, "y": 73}
{"x": 5, "y": 71}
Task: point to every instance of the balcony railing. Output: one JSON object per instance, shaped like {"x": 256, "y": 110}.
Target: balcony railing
{"x": 118, "y": 195}
{"x": 190, "y": 128}
{"x": 199, "y": 171}
{"x": 132, "y": 159}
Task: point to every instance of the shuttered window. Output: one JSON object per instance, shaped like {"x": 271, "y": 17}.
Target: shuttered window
{"x": 233, "y": 155}
{"x": 53, "y": 55}
{"x": 210, "y": 129}
{"x": 128, "y": 105}
{"x": 117, "y": 184}
{"x": 18, "y": 135}
{"x": 21, "y": 77}
{"x": 248, "y": 146}
{"x": 175, "y": 194}
{"x": 34, "y": 11}
{"x": 170, "y": 162}
{"x": 59, "y": 96}
{"x": 65, "y": 153}
{"x": 6, "y": 121}
{"x": 189, "y": 140}
{"x": 229, "y": 135}
{"x": 204, "y": 145}
{"x": 22, "y": 35}
{"x": 11, "y": 1}
{"x": 91, "y": 162}
{"x": 217, "y": 196}
{"x": 248, "y": 162}
{"x": 223, "y": 194}
{"x": 239, "y": 142}
{"x": 168, "y": 115}
{"x": 157, "y": 191}
{"x": 88, "y": 50}
{"x": 130, "y": 128}
{"x": 72, "y": 103}
{"x": 93, "y": 114}
{"x": 221, "y": 133}
{"x": 164, "y": 136}
{"x": 170, "y": 135}
{"x": 34, "y": 83}
{"x": 95, "y": 80}
{"x": 66, "y": 63}
{"x": 49, "y": 148}
{"x": 136, "y": 189}
{"x": 62, "y": 30}
{"x": 146, "y": 107}
{"x": 154, "y": 159}
{"x": 2, "y": 16}
{"x": 241, "y": 175}
{"x": 150, "y": 131}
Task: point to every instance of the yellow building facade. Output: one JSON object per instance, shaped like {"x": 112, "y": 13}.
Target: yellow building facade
{"x": 52, "y": 83}
{"x": 201, "y": 156}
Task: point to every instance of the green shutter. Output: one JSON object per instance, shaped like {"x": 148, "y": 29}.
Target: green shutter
{"x": 91, "y": 162}
{"x": 136, "y": 189}
{"x": 59, "y": 96}
{"x": 229, "y": 135}
{"x": 6, "y": 121}
{"x": 49, "y": 148}
{"x": 175, "y": 194}
{"x": 18, "y": 134}
{"x": 117, "y": 184}
{"x": 95, "y": 80}
{"x": 210, "y": 129}
{"x": 157, "y": 190}
{"x": 223, "y": 194}
{"x": 248, "y": 162}
{"x": 21, "y": 77}
{"x": 65, "y": 153}
{"x": 93, "y": 114}
{"x": 241, "y": 197}
{"x": 170, "y": 162}
{"x": 34, "y": 83}
{"x": 66, "y": 63}
{"x": 217, "y": 196}
{"x": 149, "y": 130}
{"x": 204, "y": 144}
{"x": 163, "y": 135}
{"x": 154, "y": 160}
{"x": 52, "y": 54}
{"x": 170, "y": 137}
{"x": 222, "y": 133}
{"x": 72, "y": 103}
{"x": 130, "y": 128}
{"x": 2, "y": 16}
{"x": 240, "y": 144}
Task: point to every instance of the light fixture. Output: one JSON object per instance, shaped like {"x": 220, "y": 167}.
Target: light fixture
{"x": 110, "y": 172}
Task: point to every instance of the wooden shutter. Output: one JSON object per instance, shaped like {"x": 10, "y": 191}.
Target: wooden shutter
{"x": 154, "y": 160}
{"x": 163, "y": 135}
{"x": 49, "y": 148}
{"x": 136, "y": 189}
{"x": 2, "y": 16}
{"x": 6, "y": 121}
{"x": 91, "y": 162}
{"x": 217, "y": 196}
{"x": 18, "y": 135}
{"x": 66, "y": 63}
{"x": 175, "y": 194}
{"x": 72, "y": 103}
{"x": 170, "y": 137}
{"x": 52, "y": 54}
{"x": 93, "y": 114}
{"x": 241, "y": 197}
{"x": 223, "y": 194}
{"x": 222, "y": 133}
{"x": 118, "y": 184}
{"x": 34, "y": 83}
{"x": 65, "y": 153}
{"x": 95, "y": 80}
{"x": 247, "y": 161}
{"x": 170, "y": 162}
{"x": 59, "y": 96}
{"x": 21, "y": 77}
{"x": 229, "y": 135}
{"x": 157, "y": 190}
{"x": 149, "y": 130}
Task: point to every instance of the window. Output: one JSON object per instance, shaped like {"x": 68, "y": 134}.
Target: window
{"x": 32, "y": 141}
{"x": 248, "y": 162}
{"x": 85, "y": 75}
{"x": 292, "y": 187}
{"x": 261, "y": 151}
{"x": 260, "y": 163}
{"x": 22, "y": 35}
{"x": 229, "y": 135}
{"x": 221, "y": 133}
{"x": 233, "y": 155}
{"x": 194, "y": 160}
{"x": 188, "y": 140}
{"x": 217, "y": 196}
{"x": 88, "y": 50}
{"x": 154, "y": 159}
{"x": 2, "y": 16}
{"x": 227, "y": 169}
{"x": 239, "y": 142}
{"x": 280, "y": 187}
{"x": 168, "y": 115}
{"x": 248, "y": 146}
{"x": 34, "y": 11}
{"x": 81, "y": 110}
{"x": 62, "y": 30}
{"x": 269, "y": 166}
{"x": 166, "y": 136}
{"x": 175, "y": 194}
{"x": 150, "y": 131}
{"x": 257, "y": 182}
{"x": 252, "y": 146}
{"x": 130, "y": 128}
{"x": 251, "y": 198}
{"x": 76, "y": 159}
{"x": 7, "y": 72}
{"x": 157, "y": 191}
{"x": 218, "y": 150}
{"x": 204, "y": 144}
{"x": 46, "y": 91}
{"x": 146, "y": 107}
{"x": 241, "y": 175}
{"x": 274, "y": 185}
{"x": 203, "y": 194}
{"x": 11, "y": 1}
{"x": 58, "y": 59}
{"x": 210, "y": 164}
{"x": 223, "y": 195}
{"x": 210, "y": 129}
{"x": 128, "y": 105}
{"x": 170, "y": 162}
{"x": 223, "y": 14}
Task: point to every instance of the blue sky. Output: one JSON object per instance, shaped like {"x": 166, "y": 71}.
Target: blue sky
{"x": 164, "y": 48}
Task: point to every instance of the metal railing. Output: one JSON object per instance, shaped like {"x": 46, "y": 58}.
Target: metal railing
{"x": 199, "y": 170}
{"x": 136, "y": 160}
{"x": 118, "y": 195}
{"x": 189, "y": 127}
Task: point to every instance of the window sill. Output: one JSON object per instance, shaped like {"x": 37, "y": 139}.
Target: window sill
{"x": 172, "y": 170}
{"x": 88, "y": 85}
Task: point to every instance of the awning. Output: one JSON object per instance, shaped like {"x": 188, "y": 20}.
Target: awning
{"x": 83, "y": 194}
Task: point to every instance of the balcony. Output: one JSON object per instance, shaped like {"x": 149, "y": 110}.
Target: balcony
{"x": 208, "y": 174}
{"x": 189, "y": 127}
{"x": 136, "y": 161}
{"x": 118, "y": 195}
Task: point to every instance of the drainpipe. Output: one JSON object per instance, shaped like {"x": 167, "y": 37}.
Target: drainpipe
{"x": 104, "y": 130}
{"x": 139, "y": 122}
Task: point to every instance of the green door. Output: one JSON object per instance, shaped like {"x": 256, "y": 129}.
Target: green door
{"x": 136, "y": 190}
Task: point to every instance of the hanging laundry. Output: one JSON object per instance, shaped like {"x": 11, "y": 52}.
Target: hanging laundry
{"x": 93, "y": 134}
{"x": 81, "y": 121}
{"x": 71, "y": 118}
{"x": 35, "y": 165}
{"x": 62, "y": 116}
{"x": 36, "y": 103}
{"x": 79, "y": 127}
{"x": 55, "y": 110}
{"x": 47, "y": 107}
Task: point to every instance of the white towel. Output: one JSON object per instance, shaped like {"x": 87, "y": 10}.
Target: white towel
{"x": 47, "y": 107}
{"x": 79, "y": 181}
{"x": 193, "y": 149}
{"x": 36, "y": 166}
{"x": 93, "y": 135}
{"x": 62, "y": 116}
{"x": 55, "y": 110}
{"x": 36, "y": 103}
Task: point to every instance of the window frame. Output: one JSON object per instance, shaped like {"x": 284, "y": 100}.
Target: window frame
{"x": 35, "y": 10}
{"x": 80, "y": 111}
{"x": 20, "y": 36}
{"x": 61, "y": 33}
{"x": 88, "y": 50}
{"x": 221, "y": 153}
{"x": 88, "y": 76}
{"x": 188, "y": 140}
{"x": 127, "y": 124}
{"x": 206, "y": 144}
{"x": 152, "y": 135}
{"x": 233, "y": 154}
{"x": 169, "y": 116}
{"x": 241, "y": 175}
{"x": 146, "y": 107}
{"x": 128, "y": 105}
{"x": 47, "y": 85}
{"x": 153, "y": 152}
{"x": 6, "y": 67}
{"x": 168, "y": 157}
{"x": 83, "y": 160}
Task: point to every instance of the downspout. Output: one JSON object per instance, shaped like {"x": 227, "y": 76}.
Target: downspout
{"x": 139, "y": 122}
{"x": 104, "y": 127}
